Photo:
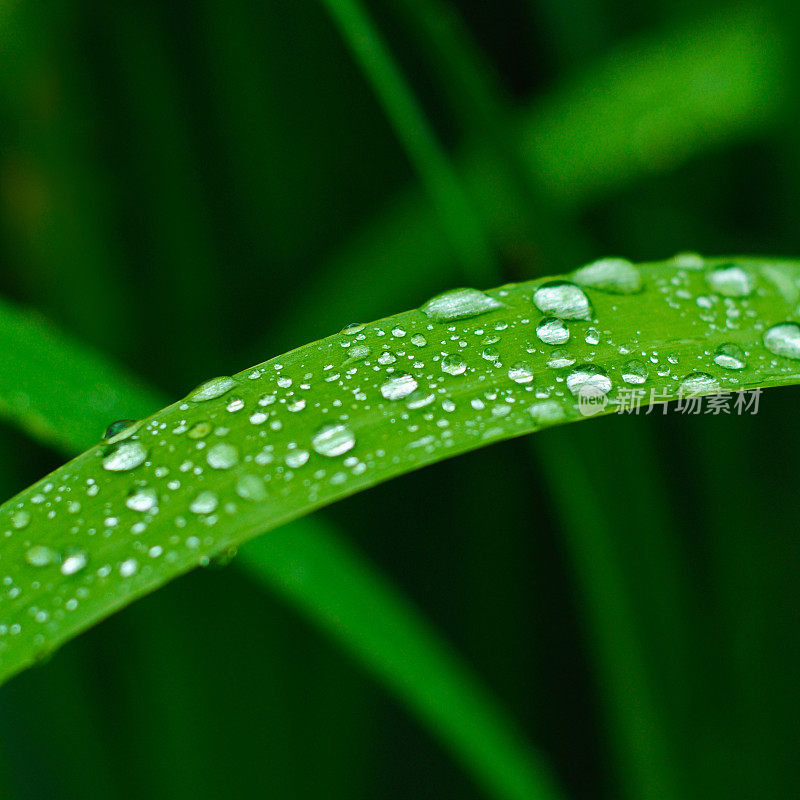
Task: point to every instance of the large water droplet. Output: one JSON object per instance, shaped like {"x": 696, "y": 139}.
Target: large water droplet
{"x": 521, "y": 372}
{"x": 459, "y": 304}
{"x": 562, "y": 299}
{"x": 212, "y": 389}
{"x": 74, "y": 562}
{"x": 333, "y": 439}
{"x": 730, "y": 356}
{"x": 552, "y": 330}
{"x": 125, "y": 456}
{"x": 588, "y": 379}
{"x": 41, "y": 556}
{"x": 398, "y": 387}
{"x": 614, "y": 275}
{"x": 783, "y": 340}
{"x": 730, "y": 280}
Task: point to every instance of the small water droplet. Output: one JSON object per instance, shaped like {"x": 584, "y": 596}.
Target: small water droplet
{"x": 251, "y": 487}
{"x": 419, "y": 340}
{"x": 20, "y": 519}
{"x": 552, "y": 330}
{"x": 199, "y": 430}
{"x": 562, "y": 299}
{"x": 127, "y": 426}
{"x": 353, "y": 328}
{"x": 521, "y": 372}
{"x": 696, "y": 383}
{"x": 333, "y": 439}
{"x": 205, "y": 503}
{"x": 559, "y": 359}
{"x": 398, "y": 387}
{"x": 547, "y": 412}
{"x": 142, "y": 499}
{"x": 592, "y": 336}
{"x": 635, "y": 372}
{"x": 222, "y": 456}
{"x": 296, "y": 458}
{"x": 730, "y": 280}
{"x": 730, "y": 356}
{"x": 783, "y": 340}
{"x": 41, "y": 556}
{"x": 459, "y": 304}
{"x": 453, "y": 365}
{"x": 125, "y": 456}
{"x": 74, "y": 562}
{"x": 212, "y": 389}
{"x": 129, "y": 567}
{"x": 589, "y": 378}
{"x": 613, "y": 275}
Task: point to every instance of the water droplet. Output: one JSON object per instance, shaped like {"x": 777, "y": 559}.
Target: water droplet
{"x": 353, "y": 328}
{"x": 453, "y": 365}
{"x": 41, "y": 556}
{"x": 212, "y": 389}
{"x": 204, "y": 503}
{"x": 613, "y": 275}
{"x": 783, "y": 340}
{"x": 459, "y": 304}
{"x": 20, "y": 519}
{"x": 333, "y": 439}
{"x": 74, "y": 562}
{"x": 730, "y": 356}
{"x": 358, "y": 352}
{"x": 588, "y": 378}
{"x": 490, "y": 353}
{"x": 142, "y": 499}
{"x": 559, "y": 359}
{"x": 546, "y": 412}
{"x": 562, "y": 299}
{"x": 125, "y": 456}
{"x": 129, "y": 567}
{"x": 114, "y": 430}
{"x": 635, "y": 372}
{"x": 251, "y": 487}
{"x": 398, "y": 387}
{"x": 222, "y": 456}
{"x": 199, "y": 430}
{"x": 420, "y": 399}
{"x": 730, "y": 280}
{"x": 296, "y": 458}
{"x": 419, "y": 340}
{"x": 521, "y": 372}
{"x": 698, "y": 383}
{"x": 552, "y": 330}
{"x": 592, "y": 336}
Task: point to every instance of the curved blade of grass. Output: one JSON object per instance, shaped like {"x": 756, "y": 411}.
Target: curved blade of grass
{"x": 459, "y": 219}
{"x": 338, "y": 416}
{"x": 63, "y": 394}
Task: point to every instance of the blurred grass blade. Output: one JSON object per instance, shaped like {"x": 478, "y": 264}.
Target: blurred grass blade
{"x": 242, "y": 455}
{"x": 382, "y": 631}
{"x": 460, "y": 221}
{"x": 697, "y": 89}
{"x": 63, "y": 394}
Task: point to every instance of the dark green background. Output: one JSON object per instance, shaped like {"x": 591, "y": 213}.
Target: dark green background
{"x": 178, "y": 181}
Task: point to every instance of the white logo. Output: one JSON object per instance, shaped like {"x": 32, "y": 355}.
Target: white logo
{"x": 591, "y": 399}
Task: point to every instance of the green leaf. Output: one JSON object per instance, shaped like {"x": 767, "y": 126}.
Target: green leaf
{"x": 63, "y": 394}
{"x": 245, "y": 454}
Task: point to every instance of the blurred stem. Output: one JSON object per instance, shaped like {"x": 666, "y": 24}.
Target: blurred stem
{"x": 453, "y": 204}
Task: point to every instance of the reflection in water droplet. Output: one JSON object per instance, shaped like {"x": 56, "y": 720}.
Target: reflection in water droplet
{"x": 333, "y": 439}
{"x": 459, "y": 304}
{"x": 453, "y": 365}
{"x": 562, "y": 299}
{"x": 398, "y": 387}
{"x": 212, "y": 389}
{"x": 614, "y": 275}
{"x": 730, "y": 280}
{"x": 635, "y": 372}
{"x": 730, "y": 356}
{"x": 552, "y": 330}
{"x": 124, "y": 457}
{"x": 783, "y": 340}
